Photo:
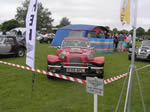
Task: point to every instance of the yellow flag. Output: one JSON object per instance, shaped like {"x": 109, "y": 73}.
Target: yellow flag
{"x": 126, "y": 12}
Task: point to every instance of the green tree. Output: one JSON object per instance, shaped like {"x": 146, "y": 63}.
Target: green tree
{"x": 63, "y": 22}
{"x": 124, "y": 31}
{"x": 148, "y": 32}
{"x": 140, "y": 31}
{"x": 44, "y": 19}
{"x": 10, "y": 24}
{"x": 107, "y": 27}
{"x": 0, "y": 27}
{"x": 131, "y": 31}
{"x": 115, "y": 30}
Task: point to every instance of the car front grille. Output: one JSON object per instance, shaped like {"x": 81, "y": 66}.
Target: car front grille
{"x": 76, "y": 61}
{"x": 143, "y": 50}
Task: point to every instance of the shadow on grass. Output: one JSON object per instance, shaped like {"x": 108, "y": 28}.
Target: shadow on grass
{"x": 51, "y": 78}
{"x": 142, "y": 60}
{"x": 7, "y": 56}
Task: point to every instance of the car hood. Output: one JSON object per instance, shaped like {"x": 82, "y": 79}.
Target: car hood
{"x": 145, "y": 46}
{"x": 75, "y": 51}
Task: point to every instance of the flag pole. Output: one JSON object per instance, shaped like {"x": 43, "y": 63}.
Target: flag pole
{"x": 134, "y": 34}
{"x": 125, "y": 18}
{"x": 132, "y": 66}
{"x": 33, "y": 80}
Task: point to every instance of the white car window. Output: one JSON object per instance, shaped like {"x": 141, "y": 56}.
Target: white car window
{"x": 9, "y": 40}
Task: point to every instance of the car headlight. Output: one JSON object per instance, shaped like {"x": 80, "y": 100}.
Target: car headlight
{"x": 90, "y": 56}
{"x": 61, "y": 56}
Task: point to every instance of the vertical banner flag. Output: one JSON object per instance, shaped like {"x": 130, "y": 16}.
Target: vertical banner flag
{"x": 31, "y": 32}
{"x": 127, "y": 12}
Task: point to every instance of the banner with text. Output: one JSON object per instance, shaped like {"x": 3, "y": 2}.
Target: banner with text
{"x": 31, "y": 32}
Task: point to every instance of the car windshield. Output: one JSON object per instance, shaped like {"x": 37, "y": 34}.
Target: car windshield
{"x": 75, "y": 44}
{"x": 146, "y": 42}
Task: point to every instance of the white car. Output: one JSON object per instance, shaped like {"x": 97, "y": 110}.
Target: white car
{"x": 142, "y": 52}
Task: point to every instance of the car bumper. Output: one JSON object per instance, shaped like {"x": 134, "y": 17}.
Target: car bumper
{"x": 74, "y": 69}
{"x": 141, "y": 56}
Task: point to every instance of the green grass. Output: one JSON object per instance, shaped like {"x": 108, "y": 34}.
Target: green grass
{"x": 64, "y": 96}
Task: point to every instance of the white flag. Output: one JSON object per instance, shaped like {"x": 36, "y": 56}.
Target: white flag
{"x": 31, "y": 32}
{"x": 127, "y": 12}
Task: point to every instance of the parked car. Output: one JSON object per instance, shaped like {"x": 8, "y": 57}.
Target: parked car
{"x": 47, "y": 38}
{"x": 76, "y": 56}
{"x": 10, "y": 45}
{"x": 142, "y": 52}
{"x": 39, "y": 36}
{"x": 19, "y": 33}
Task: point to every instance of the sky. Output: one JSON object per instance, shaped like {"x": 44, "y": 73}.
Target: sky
{"x": 93, "y": 12}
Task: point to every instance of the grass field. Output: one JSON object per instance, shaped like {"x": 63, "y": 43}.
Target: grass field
{"x": 64, "y": 96}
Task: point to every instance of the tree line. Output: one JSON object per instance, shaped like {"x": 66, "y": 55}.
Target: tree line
{"x": 139, "y": 31}
{"x": 45, "y": 20}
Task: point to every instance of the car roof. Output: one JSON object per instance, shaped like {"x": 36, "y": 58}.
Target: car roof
{"x": 7, "y": 36}
{"x": 75, "y": 38}
{"x": 145, "y": 41}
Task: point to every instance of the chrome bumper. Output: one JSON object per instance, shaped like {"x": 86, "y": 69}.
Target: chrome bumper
{"x": 93, "y": 68}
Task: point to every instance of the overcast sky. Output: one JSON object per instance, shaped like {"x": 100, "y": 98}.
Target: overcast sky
{"x": 94, "y": 12}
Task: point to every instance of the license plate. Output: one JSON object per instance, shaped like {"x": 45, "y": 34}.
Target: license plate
{"x": 75, "y": 70}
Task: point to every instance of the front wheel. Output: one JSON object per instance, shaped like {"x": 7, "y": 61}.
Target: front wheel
{"x": 101, "y": 75}
{"x": 98, "y": 73}
{"x": 48, "y": 70}
{"x": 21, "y": 52}
{"x": 48, "y": 76}
{"x": 129, "y": 57}
{"x": 40, "y": 41}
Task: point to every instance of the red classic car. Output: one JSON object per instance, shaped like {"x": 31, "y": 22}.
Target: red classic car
{"x": 76, "y": 57}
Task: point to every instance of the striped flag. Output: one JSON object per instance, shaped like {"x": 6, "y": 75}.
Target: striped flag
{"x": 127, "y": 12}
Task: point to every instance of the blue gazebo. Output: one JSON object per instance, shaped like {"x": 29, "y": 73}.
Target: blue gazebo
{"x": 80, "y": 30}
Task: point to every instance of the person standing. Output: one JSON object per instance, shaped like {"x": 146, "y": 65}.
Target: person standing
{"x": 115, "y": 37}
{"x": 129, "y": 37}
{"x": 101, "y": 35}
{"x": 107, "y": 36}
{"x": 19, "y": 33}
{"x": 4, "y": 33}
{"x": 120, "y": 42}
{"x": 97, "y": 34}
